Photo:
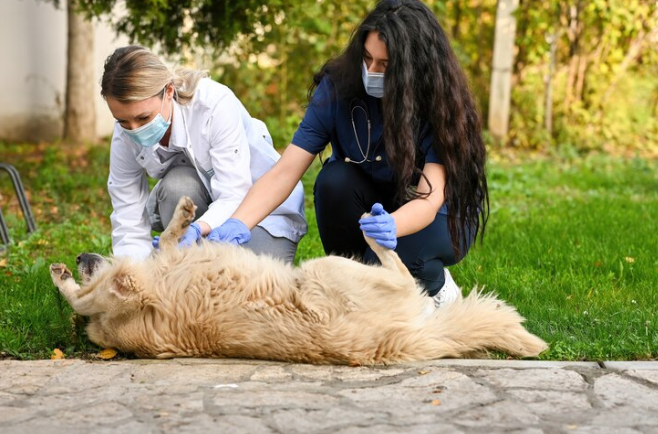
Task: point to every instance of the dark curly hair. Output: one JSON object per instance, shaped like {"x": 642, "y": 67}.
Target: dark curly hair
{"x": 424, "y": 84}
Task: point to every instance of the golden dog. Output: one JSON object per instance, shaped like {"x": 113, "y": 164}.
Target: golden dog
{"x": 220, "y": 300}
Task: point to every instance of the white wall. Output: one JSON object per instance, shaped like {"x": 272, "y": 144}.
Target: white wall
{"x": 33, "y": 71}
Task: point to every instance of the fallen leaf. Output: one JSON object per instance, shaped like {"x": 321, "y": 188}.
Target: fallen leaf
{"x": 629, "y": 259}
{"x": 107, "y": 354}
{"x": 423, "y": 372}
{"x": 57, "y": 354}
{"x": 3, "y": 262}
{"x": 436, "y": 402}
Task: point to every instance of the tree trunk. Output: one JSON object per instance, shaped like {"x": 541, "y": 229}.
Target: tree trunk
{"x": 458, "y": 19}
{"x": 521, "y": 30}
{"x": 548, "y": 115}
{"x": 580, "y": 82}
{"x": 501, "y": 74}
{"x": 80, "y": 112}
{"x": 574, "y": 54}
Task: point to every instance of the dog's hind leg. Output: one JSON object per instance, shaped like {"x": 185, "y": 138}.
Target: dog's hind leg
{"x": 183, "y": 216}
{"x": 388, "y": 257}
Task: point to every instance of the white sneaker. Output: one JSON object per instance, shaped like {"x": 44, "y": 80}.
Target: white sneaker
{"x": 448, "y": 293}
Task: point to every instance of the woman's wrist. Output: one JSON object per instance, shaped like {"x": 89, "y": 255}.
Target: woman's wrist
{"x": 205, "y": 227}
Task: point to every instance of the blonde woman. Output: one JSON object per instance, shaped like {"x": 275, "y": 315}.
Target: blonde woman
{"x": 194, "y": 136}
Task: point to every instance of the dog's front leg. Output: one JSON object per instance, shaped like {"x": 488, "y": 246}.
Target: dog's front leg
{"x": 182, "y": 218}
{"x": 63, "y": 280}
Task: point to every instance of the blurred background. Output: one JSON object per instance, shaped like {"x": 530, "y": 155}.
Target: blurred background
{"x": 576, "y": 74}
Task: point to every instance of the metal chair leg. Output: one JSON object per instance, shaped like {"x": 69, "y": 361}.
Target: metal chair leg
{"x": 4, "y": 232}
{"x": 22, "y": 200}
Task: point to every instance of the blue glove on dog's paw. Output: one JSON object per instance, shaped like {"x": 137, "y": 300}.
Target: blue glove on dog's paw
{"x": 380, "y": 226}
{"x": 231, "y": 231}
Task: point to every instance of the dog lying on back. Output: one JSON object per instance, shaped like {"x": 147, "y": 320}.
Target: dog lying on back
{"x": 220, "y": 300}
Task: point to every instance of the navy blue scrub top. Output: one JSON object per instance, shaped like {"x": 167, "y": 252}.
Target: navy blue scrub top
{"x": 328, "y": 119}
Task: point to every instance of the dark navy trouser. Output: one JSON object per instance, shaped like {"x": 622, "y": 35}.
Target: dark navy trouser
{"x": 343, "y": 193}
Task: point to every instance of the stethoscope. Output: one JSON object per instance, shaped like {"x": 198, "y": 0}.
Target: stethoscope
{"x": 365, "y": 154}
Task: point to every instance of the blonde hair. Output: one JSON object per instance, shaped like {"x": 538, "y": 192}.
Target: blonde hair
{"x": 134, "y": 73}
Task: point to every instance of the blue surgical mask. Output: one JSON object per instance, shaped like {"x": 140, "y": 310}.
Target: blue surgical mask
{"x": 151, "y": 133}
{"x": 373, "y": 82}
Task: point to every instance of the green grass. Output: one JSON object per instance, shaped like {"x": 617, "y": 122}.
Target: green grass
{"x": 571, "y": 242}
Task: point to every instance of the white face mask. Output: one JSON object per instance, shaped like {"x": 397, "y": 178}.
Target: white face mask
{"x": 373, "y": 82}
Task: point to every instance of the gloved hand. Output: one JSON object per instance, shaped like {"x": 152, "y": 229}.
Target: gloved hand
{"x": 191, "y": 235}
{"x": 380, "y": 227}
{"x": 231, "y": 231}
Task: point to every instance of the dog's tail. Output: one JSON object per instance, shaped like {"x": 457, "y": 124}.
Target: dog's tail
{"x": 478, "y": 323}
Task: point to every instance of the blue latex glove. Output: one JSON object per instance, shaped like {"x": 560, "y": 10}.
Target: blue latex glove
{"x": 380, "y": 227}
{"x": 231, "y": 231}
{"x": 190, "y": 237}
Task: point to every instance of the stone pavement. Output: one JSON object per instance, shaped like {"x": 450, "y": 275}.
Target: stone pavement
{"x": 238, "y": 396}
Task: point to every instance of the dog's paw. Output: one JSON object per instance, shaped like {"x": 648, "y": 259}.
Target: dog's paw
{"x": 187, "y": 210}
{"x": 59, "y": 273}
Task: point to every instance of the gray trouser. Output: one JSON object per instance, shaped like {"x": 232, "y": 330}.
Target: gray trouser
{"x": 184, "y": 181}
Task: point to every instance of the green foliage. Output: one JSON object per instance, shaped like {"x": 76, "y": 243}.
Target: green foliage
{"x": 271, "y": 70}
{"x": 177, "y": 25}
{"x": 604, "y": 87}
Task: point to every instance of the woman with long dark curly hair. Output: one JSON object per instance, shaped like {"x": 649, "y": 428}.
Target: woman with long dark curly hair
{"x": 406, "y": 138}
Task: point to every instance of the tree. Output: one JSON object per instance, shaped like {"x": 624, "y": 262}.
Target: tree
{"x": 79, "y": 110}
{"x": 178, "y": 25}
{"x": 501, "y": 76}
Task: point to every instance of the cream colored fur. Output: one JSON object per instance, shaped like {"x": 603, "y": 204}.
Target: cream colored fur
{"x": 219, "y": 300}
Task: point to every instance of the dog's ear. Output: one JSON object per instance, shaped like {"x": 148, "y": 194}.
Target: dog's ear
{"x": 125, "y": 286}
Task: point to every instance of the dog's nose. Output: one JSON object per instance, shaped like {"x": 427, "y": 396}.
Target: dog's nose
{"x": 84, "y": 258}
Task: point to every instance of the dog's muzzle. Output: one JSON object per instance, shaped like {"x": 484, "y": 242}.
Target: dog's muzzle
{"x": 88, "y": 263}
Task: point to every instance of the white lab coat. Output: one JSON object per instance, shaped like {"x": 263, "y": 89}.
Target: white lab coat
{"x": 230, "y": 151}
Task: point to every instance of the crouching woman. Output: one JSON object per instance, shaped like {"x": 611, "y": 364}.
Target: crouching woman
{"x": 196, "y": 138}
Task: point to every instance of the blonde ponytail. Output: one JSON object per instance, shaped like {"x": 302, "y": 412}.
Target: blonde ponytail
{"x": 185, "y": 81}
{"x": 134, "y": 73}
